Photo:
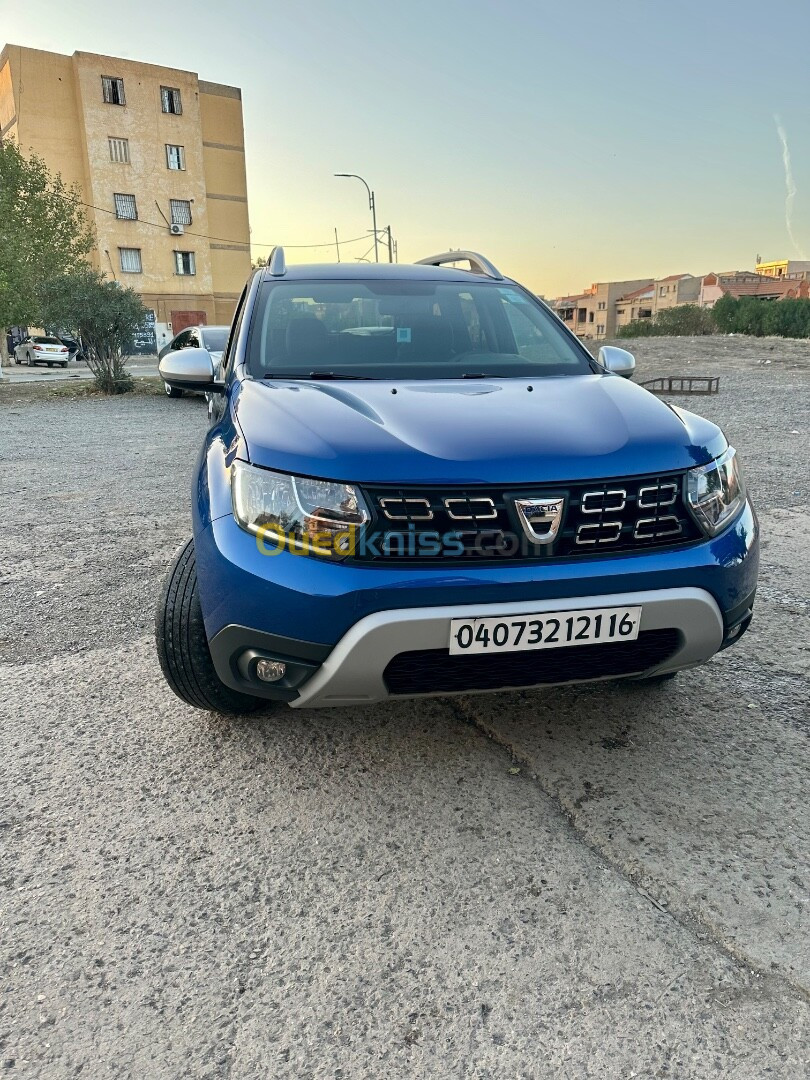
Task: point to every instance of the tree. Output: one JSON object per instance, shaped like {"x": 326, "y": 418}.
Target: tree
{"x": 725, "y": 313}
{"x": 44, "y": 231}
{"x": 103, "y": 314}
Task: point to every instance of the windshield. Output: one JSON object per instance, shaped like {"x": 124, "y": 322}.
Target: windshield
{"x": 407, "y": 330}
{"x": 214, "y": 338}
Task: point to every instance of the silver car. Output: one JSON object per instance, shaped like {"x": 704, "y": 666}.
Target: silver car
{"x": 212, "y": 338}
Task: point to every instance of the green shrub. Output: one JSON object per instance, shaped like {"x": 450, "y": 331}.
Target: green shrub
{"x": 672, "y": 322}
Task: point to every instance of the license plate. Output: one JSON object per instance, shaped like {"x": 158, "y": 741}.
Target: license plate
{"x": 544, "y": 630}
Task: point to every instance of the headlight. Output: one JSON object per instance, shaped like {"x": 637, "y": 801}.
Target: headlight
{"x": 716, "y": 492}
{"x": 309, "y": 516}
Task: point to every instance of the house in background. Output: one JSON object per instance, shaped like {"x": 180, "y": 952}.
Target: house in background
{"x": 744, "y": 283}
{"x": 784, "y": 268}
{"x": 592, "y": 314}
{"x": 636, "y": 306}
{"x": 158, "y": 155}
{"x": 676, "y": 289}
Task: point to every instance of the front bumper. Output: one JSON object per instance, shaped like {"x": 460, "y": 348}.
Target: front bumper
{"x": 337, "y": 624}
{"x": 354, "y": 673}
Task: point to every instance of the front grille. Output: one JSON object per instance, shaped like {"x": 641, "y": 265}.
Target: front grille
{"x": 435, "y": 671}
{"x": 424, "y": 523}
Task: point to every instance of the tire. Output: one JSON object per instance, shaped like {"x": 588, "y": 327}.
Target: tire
{"x": 64, "y": 363}
{"x": 182, "y": 646}
{"x": 51, "y": 363}
{"x": 17, "y": 360}
{"x": 172, "y": 391}
{"x": 31, "y": 361}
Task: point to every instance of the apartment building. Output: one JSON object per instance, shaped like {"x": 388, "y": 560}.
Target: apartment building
{"x": 796, "y": 268}
{"x": 635, "y": 306}
{"x": 592, "y": 314}
{"x": 674, "y": 290}
{"x": 744, "y": 283}
{"x": 159, "y": 157}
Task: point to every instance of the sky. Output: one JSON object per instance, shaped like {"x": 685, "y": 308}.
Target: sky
{"x": 568, "y": 143}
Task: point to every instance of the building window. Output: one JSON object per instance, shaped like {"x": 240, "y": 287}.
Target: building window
{"x": 662, "y": 290}
{"x": 175, "y": 157}
{"x": 170, "y": 100}
{"x": 130, "y": 260}
{"x": 184, "y": 263}
{"x": 112, "y": 90}
{"x": 181, "y": 211}
{"x": 119, "y": 150}
{"x": 600, "y": 328}
{"x": 590, "y": 316}
{"x": 601, "y": 305}
{"x": 125, "y": 207}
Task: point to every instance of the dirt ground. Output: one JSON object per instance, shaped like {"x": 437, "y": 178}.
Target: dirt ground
{"x": 587, "y": 882}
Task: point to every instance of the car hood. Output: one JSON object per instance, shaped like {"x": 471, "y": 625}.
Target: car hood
{"x": 469, "y": 432}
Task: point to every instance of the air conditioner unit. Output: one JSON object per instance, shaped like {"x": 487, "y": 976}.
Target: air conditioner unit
{"x": 176, "y": 230}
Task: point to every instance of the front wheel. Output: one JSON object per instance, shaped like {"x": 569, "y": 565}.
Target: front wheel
{"x": 182, "y": 646}
{"x": 172, "y": 391}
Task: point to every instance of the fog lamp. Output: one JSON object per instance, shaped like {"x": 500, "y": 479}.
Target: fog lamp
{"x": 270, "y": 670}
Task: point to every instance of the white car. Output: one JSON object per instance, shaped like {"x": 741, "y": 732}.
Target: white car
{"x": 42, "y": 350}
{"x": 212, "y": 338}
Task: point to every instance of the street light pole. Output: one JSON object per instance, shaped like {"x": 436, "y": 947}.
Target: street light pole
{"x": 371, "y": 205}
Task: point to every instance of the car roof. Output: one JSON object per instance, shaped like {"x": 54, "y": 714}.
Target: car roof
{"x": 378, "y": 271}
{"x": 202, "y": 326}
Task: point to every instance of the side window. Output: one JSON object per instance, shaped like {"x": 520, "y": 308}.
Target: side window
{"x": 230, "y": 347}
{"x": 193, "y": 340}
{"x": 181, "y": 341}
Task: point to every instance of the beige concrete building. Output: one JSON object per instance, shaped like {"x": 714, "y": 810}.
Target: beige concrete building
{"x": 635, "y": 306}
{"x": 159, "y": 157}
{"x": 592, "y": 314}
{"x": 676, "y": 289}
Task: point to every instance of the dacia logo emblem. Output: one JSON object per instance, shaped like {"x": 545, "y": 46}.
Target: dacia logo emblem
{"x": 540, "y": 518}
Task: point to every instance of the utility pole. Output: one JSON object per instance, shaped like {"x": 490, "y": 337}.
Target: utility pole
{"x": 337, "y": 245}
{"x": 390, "y": 244}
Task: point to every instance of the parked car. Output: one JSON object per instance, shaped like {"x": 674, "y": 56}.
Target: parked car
{"x": 210, "y": 338}
{"x": 75, "y": 351}
{"x": 42, "y": 350}
{"x": 463, "y": 500}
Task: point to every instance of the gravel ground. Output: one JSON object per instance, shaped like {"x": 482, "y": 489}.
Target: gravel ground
{"x": 600, "y": 881}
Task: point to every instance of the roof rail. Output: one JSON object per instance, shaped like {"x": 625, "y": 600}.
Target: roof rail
{"x": 277, "y": 264}
{"x": 478, "y": 264}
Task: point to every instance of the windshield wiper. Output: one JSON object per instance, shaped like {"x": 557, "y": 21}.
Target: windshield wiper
{"x": 475, "y": 375}
{"x": 318, "y": 375}
{"x": 337, "y": 375}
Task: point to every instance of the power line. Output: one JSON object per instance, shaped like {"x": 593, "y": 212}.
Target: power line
{"x": 205, "y": 236}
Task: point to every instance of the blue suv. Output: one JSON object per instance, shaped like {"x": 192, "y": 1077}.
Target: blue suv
{"x": 417, "y": 481}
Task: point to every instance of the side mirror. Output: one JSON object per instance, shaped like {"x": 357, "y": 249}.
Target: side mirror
{"x": 190, "y": 369}
{"x": 617, "y": 361}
